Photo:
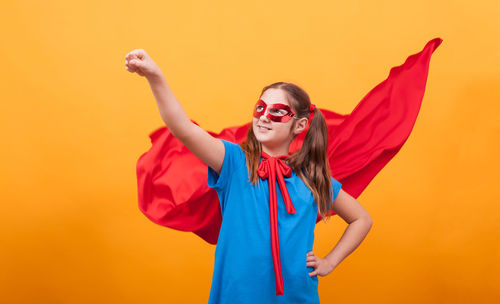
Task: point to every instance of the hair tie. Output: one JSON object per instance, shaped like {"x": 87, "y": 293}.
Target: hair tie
{"x": 311, "y": 114}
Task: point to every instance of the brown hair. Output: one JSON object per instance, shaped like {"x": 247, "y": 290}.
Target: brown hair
{"x": 310, "y": 163}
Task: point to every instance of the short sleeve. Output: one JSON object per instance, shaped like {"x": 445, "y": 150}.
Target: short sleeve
{"x": 231, "y": 157}
{"x": 336, "y": 185}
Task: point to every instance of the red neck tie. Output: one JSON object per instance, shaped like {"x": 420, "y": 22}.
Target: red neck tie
{"x": 272, "y": 168}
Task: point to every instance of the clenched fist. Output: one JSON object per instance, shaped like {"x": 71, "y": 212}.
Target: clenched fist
{"x": 138, "y": 61}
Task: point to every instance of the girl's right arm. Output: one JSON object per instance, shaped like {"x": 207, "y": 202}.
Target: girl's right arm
{"x": 207, "y": 148}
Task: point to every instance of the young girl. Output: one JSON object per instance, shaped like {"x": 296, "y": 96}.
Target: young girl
{"x": 269, "y": 200}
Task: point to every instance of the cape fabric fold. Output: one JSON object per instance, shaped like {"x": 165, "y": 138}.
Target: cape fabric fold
{"x": 172, "y": 189}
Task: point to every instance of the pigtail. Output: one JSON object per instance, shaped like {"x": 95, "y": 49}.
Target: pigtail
{"x": 311, "y": 163}
{"x": 253, "y": 149}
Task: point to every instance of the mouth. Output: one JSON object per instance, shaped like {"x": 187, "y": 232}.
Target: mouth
{"x": 262, "y": 128}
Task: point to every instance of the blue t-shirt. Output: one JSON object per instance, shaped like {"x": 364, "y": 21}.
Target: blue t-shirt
{"x": 243, "y": 266}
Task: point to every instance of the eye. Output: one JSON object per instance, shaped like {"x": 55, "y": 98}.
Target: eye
{"x": 259, "y": 108}
{"x": 278, "y": 112}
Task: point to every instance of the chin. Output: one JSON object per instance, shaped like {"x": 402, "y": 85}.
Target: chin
{"x": 264, "y": 140}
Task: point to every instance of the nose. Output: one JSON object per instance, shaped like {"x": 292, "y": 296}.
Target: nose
{"x": 265, "y": 113}
{"x": 264, "y": 117}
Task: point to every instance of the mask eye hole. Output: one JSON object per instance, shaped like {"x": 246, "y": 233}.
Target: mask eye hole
{"x": 278, "y": 112}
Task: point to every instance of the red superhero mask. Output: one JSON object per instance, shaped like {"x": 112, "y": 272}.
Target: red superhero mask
{"x": 278, "y": 112}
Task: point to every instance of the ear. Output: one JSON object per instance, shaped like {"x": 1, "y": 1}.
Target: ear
{"x": 300, "y": 125}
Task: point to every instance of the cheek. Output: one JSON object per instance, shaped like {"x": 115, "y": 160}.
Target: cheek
{"x": 286, "y": 127}
{"x": 282, "y": 130}
{"x": 254, "y": 125}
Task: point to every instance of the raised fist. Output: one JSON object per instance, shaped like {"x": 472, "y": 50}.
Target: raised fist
{"x": 138, "y": 61}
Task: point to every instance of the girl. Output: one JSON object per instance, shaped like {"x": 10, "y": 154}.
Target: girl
{"x": 269, "y": 199}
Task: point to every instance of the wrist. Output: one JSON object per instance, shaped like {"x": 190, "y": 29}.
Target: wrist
{"x": 332, "y": 261}
{"x": 156, "y": 76}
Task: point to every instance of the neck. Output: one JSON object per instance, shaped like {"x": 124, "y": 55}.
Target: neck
{"x": 273, "y": 152}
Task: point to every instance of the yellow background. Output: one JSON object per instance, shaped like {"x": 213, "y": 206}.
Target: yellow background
{"x": 75, "y": 121}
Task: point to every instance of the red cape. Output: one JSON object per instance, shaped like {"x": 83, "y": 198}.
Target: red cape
{"x": 171, "y": 180}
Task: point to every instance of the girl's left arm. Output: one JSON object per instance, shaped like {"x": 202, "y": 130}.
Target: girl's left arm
{"x": 360, "y": 222}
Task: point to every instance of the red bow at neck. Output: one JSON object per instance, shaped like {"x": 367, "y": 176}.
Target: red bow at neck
{"x": 272, "y": 168}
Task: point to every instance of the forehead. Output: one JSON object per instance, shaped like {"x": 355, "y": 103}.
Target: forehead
{"x": 271, "y": 96}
